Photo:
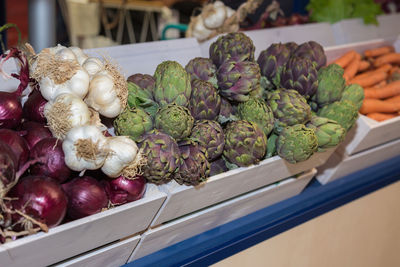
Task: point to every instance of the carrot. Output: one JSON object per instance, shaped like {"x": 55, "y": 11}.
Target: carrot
{"x": 384, "y": 68}
{"x": 389, "y": 90}
{"x": 388, "y": 58}
{"x": 364, "y": 65}
{"x": 375, "y": 105}
{"x": 345, "y": 59}
{"x": 394, "y": 99}
{"x": 352, "y": 68}
{"x": 376, "y": 52}
{"x": 370, "y": 80}
{"x": 378, "y": 116}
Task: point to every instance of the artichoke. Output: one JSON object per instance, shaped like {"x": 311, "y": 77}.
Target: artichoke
{"x": 257, "y": 111}
{"x": 344, "y": 112}
{"x": 195, "y": 167}
{"x": 271, "y": 145}
{"x": 245, "y": 143}
{"x": 236, "y": 80}
{"x": 203, "y": 69}
{"x": 210, "y": 135}
{"x": 144, "y": 81}
{"x": 329, "y": 133}
{"x": 296, "y": 143}
{"x": 163, "y": 157}
{"x": 133, "y": 123}
{"x": 236, "y": 46}
{"x": 355, "y": 94}
{"x": 313, "y": 51}
{"x": 272, "y": 60}
{"x": 330, "y": 85}
{"x": 172, "y": 84}
{"x": 300, "y": 74}
{"x": 174, "y": 120}
{"x": 141, "y": 98}
{"x": 205, "y": 102}
{"x": 289, "y": 108}
{"x": 218, "y": 166}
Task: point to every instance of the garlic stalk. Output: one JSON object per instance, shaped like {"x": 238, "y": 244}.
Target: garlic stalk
{"x": 64, "y": 113}
{"x": 85, "y": 148}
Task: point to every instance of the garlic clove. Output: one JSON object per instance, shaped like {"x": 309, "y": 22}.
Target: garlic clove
{"x": 92, "y": 65}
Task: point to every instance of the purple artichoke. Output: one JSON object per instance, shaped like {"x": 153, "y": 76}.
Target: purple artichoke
{"x": 205, "y": 101}
{"x": 144, "y": 81}
{"x": 203, "y": 69}
{"x": 218, "y": 166}
{"x": 210, "y": 135}
{"x": 313, "y": 51}
{"x": 236, "y": 80}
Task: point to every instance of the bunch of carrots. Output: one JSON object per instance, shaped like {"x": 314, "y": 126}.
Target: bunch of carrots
{"x": 378, "y": 72}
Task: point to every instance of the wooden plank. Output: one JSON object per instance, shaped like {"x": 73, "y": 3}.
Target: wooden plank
{"x": 196, "y": 223}
{"x": 341, "y": 164}
{"x": 186, "y": 199}
{"x": 76, "y": 237}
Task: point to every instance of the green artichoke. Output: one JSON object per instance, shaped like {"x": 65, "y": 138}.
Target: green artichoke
{"x": 329, "y": 133}
{"x": 245, "y": 143}
{"x": 144, "y": 81}
{"x": 300, "y": 74}
{"x": 257, "y": 111}
{"x": 218, "y": 166}
{"x": 330, "y": 85}
{"x": 296, "y": 143}
{"x": 163, "y": 157}
{"x": 271, "y": 145}
{"x": 133, "y": 123}
{"x": 313, "y": 51}
{"x": 210, "y": 135}
{"x": 236, "y": 46}
{"x": 344, "y": 112}
{"x": 205, "y": 102}
{"x": 172, "y": 84}
{"x": 236, "y": 80}
{"x": 141, "y": 98}
{"x": 174, "y": 120}
{"x": 289, "y": 108}
{"x": 355, "y": 94}
{"x": 203, "y": 69}
{"x": 272, "y": 61}
{"x": 195, "y": 167}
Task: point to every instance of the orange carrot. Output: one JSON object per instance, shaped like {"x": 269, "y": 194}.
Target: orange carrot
{"x": 388, "y": 58}
{"x": 345, "y": 59}
{"x": 364, "y": 65}
{"x": 376, "y": 52}
{"x": 378, "y": 116}
{"x": 351, "y": 69}
{"x": 370, "y": 80}
{"x": 394, "y": 99}
{"x": 384, "y": 68}
{"x": 371, "y": 105}
{"x": 389, "y": 90}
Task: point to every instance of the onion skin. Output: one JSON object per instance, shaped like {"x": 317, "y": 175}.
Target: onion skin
{"x": 122, "y": 190}
{"x": 10, "y": 110}
{"x": 51, "y": 163}
{"x": 33, "y": 108}
{"x": 34, "y": 132}
{"x": 41, "y": 198}
{"x": 17, "y": 144}
{"x": 86, "y": 196}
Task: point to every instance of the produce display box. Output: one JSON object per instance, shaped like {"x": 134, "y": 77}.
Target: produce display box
{"x": 206, "y": 219}
{"x": 367, "y": 133}
{"x": 184, "y": 199}
{"x": 341, "y": 164}
{"x": 79, "y": 236}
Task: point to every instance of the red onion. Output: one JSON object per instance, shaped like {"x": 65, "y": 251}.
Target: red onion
{"x": 17, "y": 144}
{"x": 41, "y": 198}
{"x": 34, "y": 107}
{"x": 122, "y": 190}
{"x": 34, "y": 132}
{"x": 86, "y": 196}
{"x": 8, "y": 167}
{"x": 50, "y": 156}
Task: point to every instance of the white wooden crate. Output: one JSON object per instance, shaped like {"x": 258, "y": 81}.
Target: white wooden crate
{"x": 184, "y": 199}
{"x": 196, "y": 223}
{"x": 367, "y": 133}
{"x": 79, "y": 236}
{"x": 341, "y": 164}
{"x": 112, "y": 255}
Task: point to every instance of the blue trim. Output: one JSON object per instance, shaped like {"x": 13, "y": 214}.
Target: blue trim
{"x": 231, "y": 238}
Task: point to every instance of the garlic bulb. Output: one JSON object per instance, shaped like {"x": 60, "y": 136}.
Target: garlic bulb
{"x": 198, "y": 30}
{"x": 108, "y": 92}
{"x": 214, "y": 15}
{"x": 123, "y": 158}
{"x": 64, "y": 113}
{"x": 85, "y": 148}
{"x": 64, "y": 53}
{"x": 92, "y": 65}
{"x": 79, "y": 54}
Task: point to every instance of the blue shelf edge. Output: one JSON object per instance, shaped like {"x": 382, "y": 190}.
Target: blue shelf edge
{"x": 228, "y": 239}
